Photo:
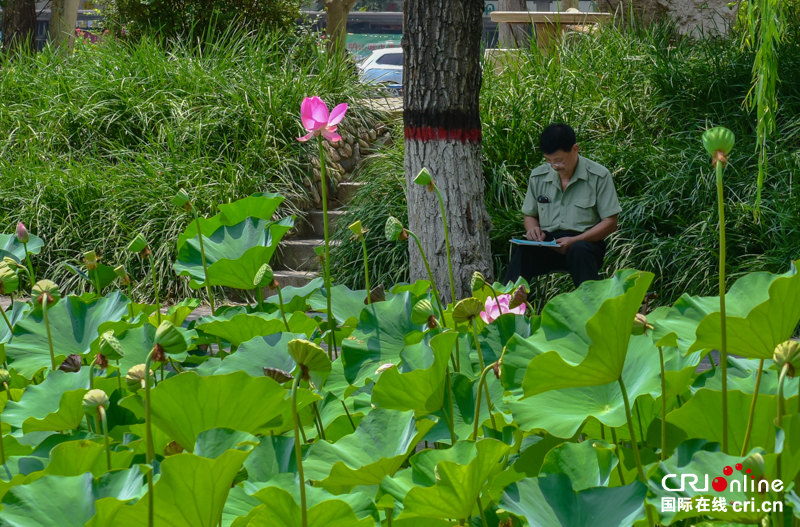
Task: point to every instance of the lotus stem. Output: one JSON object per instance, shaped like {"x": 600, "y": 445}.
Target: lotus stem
{"x": 480, "y": 361}
{"x": 483, "y": 513}
{"x": 723, "y": 352}
{"x": 130, "y": 301}
{"x": 634, "y": 443}
{"x": 260, "y": 298}
{"x": 481, "y": 384}
{"x": 781, "y": 403}
{"x": 619, "y": 465}
{"x": 8, "y": 322}
{"x": 155, "y": 284}
{"x": 297, "y": 448}
{"x": 205, "y": 264}
{"x": 663, "y": 406}
{"x": 449, "y": 415}
{"x": 494, "y": 294}
{"x": 319, "y": 420}
{"x": 447, "y": 245}
{"x": 430, "y": 275}
{"x": 49, "y": 335}
{"x": 283, "y": 311}
{"x": 119, "y": 375}
{"x": 348, "y": 415}
{"x": 749, "y": 429}
{"x": 91, "y": 376}
{"x": 2, "y": 446}
{"x": 96, "y": 281}
{"x": 327, "y": 262}
{"x": 639, "y": 419}
{"x": 30, "y": 265}
{"x": 149, "y": 439}
{"x": 389, "y": 513}
{"x": 366, "y": 268}
{"x": 101, "y": 418}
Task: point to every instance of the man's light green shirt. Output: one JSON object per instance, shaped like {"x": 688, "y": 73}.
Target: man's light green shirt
{"x": 590, "y": 196}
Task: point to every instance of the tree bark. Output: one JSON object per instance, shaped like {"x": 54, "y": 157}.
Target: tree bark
{"x": 63, "y": 21}
{"x": 19, "y": 26}
{"x": 336, "y": 12}
{"x": 513, "y": 36}
{"x": 442, "y": 83}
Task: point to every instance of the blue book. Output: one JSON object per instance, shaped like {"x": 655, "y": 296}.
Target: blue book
{"x": 551, "y": 243}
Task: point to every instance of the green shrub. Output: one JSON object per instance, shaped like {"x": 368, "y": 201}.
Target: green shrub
{"x": 639, "y": 103}
{"x": 94, "y": 145}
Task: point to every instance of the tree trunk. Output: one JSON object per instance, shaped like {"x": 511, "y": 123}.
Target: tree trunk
{"x": 513, "y": 36}
{"x": 63, "y": 21}
{"x": 336, "y": 12}
{"x": 563, "y": 5}
{"x": 19, "y": 26}
{"x": 442, "y": 83}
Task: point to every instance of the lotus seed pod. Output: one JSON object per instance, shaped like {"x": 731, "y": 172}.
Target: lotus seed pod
{"x": 170, "y": 339}
{"x": 120, "y": 271}
{"x": 467, "y": 309}
{"x": 182, "y": 200}
{"x": 90, "y": 260}
{"x": 135, "y": 378}
{"x": 264, "y": 276}
{"x": 477, "y": 282}
{"x": 277, "y": 375}
{"x": 46, "y": 289}
{"x": 394, "y": 229}
{"x": 383, "y": 367}
{"x": 172, "y": 448}
{"x": 788, "y": 353}
{"x": 357, "y": 229}
{"x": 137, "y": 244}
{"x": 110, "y": 346}
{"x": 378, "y": 294}
{"x": 22, "y": 233}
{"x": 424, "y": 177}
{"x": 9, "y": 280}
{"x": 640, "y": 325}
{"x": 94, "y": 399}
{"x": 5, "y": 377}
{"x": 518, "y": 297}
{"x": 719, "y": 142}
{"x": 422, "y": 311}
{"x": 71, "y": 364}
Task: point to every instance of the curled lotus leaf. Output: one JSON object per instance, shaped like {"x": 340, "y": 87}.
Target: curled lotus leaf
{"x": 467, "y": 309}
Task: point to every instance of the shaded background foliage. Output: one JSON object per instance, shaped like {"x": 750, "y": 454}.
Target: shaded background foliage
{"x": 639, "y": 102}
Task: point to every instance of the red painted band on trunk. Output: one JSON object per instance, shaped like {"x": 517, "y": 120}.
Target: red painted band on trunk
{"x": 429, "y": 133}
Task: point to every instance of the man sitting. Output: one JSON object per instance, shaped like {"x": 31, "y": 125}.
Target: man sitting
{"x": 572, "y": 200}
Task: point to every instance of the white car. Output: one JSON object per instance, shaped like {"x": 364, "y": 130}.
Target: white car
{"x": 384, "y": 66}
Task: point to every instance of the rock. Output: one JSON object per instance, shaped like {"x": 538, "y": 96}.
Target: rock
{"x": 317, "y": 175}
{"x": 363, "y": 144}
{"x": 315, "y": 196}
{"x": 315, "y": 162}
{"x": 691, "y": 16}
{"x": 372, "y": 135}
{"x": 380, "y": 127}
{"x": 349, "y": 139}
{"x": 346, "y": 150}
{"x": 307, "y": 182}
{"x": 334, "y": 154}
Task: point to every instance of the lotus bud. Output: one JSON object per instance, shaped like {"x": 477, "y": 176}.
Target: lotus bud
{"x": 139, "y": 245}
{"x": 788, "y": 353}
{"x": 394, "y": 230}
{"x": 378, "y": 294}
{"x": 383, "y": 367}
{"x": 94, "y": 399}
{"x": 423, "y": 313}
{"x": 718, "y": 143}
{"x": 135, "y": 378}
{"x": 170, "y": 339}
{"x": 518, "y": 297}
{"x": 277, "y": 375}
{"x": 9, "y": 280}
{"x": 5, "y": 377}
{"x": 90, "y": 260}
{"x": 172, "y": 448}
{"x": 477, "y": 282}
{"x": 264, "y": 276}
{"x": 110, "y": 346}
{"x": 357, "y": 230}
{"x": 467, "y": 309}
{"x": 182, "y": 200}
{"x": 640, "y": 325}
{"x": 22, "y": 233}
{"x": 71, "y": 364}
{"x": 45, "y": 289}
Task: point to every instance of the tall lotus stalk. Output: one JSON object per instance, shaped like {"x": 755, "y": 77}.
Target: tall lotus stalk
{"x": 358, "y": 234}
{"x": 465, "y": 312}
{"x": 425, "y": 179}
{"x": 182, "y": 200}
{"x": 23, "y": 237}
{"x": 298, "y": 451}
{"x": 787, "y": 358}
{"x": 139, "y": 245}
{"x": 319, "y": 123}
{"x": 9, "y": 282}
{"x": 138, "y": 378}
{"x": 640, "y": 327}
{"x": 718, "y": 143}
{"x": 752, "y": 414}
{"x": 91, "y": 261}
{"x": 5, "y": 378}
{"x": 634, "y": 442}
{"x": 46, "y": 293}
{"x": 125, "y": 281}
{"x": 97, "y": 401}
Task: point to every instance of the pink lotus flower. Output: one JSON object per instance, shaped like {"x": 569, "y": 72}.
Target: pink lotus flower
{"x": 317, "y": 120}
{"x": 22, "y": 233}
{"x": 493, "y": 311}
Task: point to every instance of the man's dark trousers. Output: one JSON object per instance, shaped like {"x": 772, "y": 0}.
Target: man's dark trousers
{"x": 582, "y": 261}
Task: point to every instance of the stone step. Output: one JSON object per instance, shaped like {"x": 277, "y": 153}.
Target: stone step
{"x": 298, "y": 254}
{"x": 346, "y": 190}
{"x": 292, "y": 279}
{"x": 312, "y": 225}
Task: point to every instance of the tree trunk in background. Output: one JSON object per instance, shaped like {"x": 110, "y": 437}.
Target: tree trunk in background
{"x": 442, "y": 83}
{"x": 336, "y": 12}
{"x": 19, "y": 26}
{"x": 63, "y": 21}
{"x": 513, "y": 36}
{"x": 563, "y": 5}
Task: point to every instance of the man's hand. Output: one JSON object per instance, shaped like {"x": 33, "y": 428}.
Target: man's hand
{"x": 564, "y": 244}
{"x": 535, "y": 234}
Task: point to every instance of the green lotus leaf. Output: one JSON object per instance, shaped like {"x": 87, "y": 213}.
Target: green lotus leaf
{"x": 234, "y": 254}
{"x": 190, "y": 491}
{"x": 335, "y": 421}
{"x": 272, "y": 456}
{"x": 186, "y": 404}
{"x": 260, "y": 206}
{"x": 74, "y": 458}
{"x": 378, "y": 447}
{"x": 700, "y": 417}
{"x": 552, "y": 502}
{"x": 583, "y": 339}
{"x": 702, "y": 464}
{"x": 20, "y": 311}
{"x": 763, "y": 310}
{"x": 68, "y": 416}
{"x": 40, "y": 400}
{"x": 237, "y": 326}
{"x": 562, "y": 412}
{"x": 214, "y": 442}
{"x": 417, "y": 289}
{"x": 178, "y": 313}
{"x": 587, "y": 464}
{"x": 742, "y": 375}
{"x": 138, "y": 343}
{"x": 283, "y": 511}
{"x": 271, "y": 351}
{"x": 495, "y": 336}
{"x": 383, "y": 332}
{"x": 458, "y": 485}
{"x": 11, "y": 247}
{"x": 345, "y": 302}
{"x": 66, "y": 501}
{"x": 296, "y": 298}
{"x": 105, "y": 274}
{"x": 74, "y": 324}
{"x": 420, "y": 389}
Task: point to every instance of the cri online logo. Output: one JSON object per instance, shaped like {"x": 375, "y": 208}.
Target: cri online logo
{"x": 721, "y": 483}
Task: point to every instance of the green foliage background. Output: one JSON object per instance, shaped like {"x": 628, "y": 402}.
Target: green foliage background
{"x": 639, "y": 102}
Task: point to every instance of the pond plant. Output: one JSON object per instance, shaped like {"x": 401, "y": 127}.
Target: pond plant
{"x": 476, "y": 412}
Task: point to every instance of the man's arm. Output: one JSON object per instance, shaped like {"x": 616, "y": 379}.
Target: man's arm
{"x": 533, "y": 231}
{"x": 595, "y": 234}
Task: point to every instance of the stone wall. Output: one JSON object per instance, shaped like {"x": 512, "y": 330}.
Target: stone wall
{"x": 691, "y": 16}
